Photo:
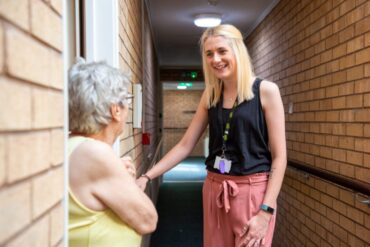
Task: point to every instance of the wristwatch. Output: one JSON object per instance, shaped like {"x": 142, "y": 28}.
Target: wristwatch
{"x": 267, "y": 209}
{"x": 147, "y": 177}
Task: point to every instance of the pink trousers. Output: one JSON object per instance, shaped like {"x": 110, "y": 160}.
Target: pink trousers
{"x": 228, "y": 204}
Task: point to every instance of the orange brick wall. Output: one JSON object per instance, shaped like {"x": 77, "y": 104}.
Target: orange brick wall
{"x": 137, "y": 55}
{"x": 31, "y": 123}
{"x": 152, "y": 93}
{"x": 131, "y": 61}
{"x": 31, "y": 119}
{"x": 178, "y": 111}
{"x": 318, "y": 52}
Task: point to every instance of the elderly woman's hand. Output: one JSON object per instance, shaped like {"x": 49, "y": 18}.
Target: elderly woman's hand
{"x": 127, "y": 162}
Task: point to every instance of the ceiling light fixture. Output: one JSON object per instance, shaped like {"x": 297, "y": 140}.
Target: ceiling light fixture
{"x": 181, "y": 87}
{"x": 213, "y": 2}
{"x": 207, "y": 20}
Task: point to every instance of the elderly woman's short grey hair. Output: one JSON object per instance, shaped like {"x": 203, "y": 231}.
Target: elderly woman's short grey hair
{"x": 93, "y": 88}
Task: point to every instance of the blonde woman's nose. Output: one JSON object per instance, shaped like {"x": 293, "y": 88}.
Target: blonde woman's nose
{"x": 216, "y": 57}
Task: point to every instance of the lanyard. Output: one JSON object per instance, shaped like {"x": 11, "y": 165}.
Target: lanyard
{"x": 225, "y": 135}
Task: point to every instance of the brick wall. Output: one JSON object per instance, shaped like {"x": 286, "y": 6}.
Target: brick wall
{"x": 178, "y": 110}
{"x": 131, "y": 61}
{"x": 318, "y": 52}
{"x": 141, "y": 62}
{"x": 137, "y": 55}
{"x": 152, "y": 93}
{"x": 31, "y": 123}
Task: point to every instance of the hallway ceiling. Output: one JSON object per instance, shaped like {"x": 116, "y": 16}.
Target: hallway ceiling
{"x": 175, "y": 35}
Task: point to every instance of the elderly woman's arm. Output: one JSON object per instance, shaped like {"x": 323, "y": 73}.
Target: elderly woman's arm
{"x": 116, "y": 188}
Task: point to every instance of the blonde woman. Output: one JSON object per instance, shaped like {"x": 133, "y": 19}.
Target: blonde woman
{"x": 247, "y": 147}
{"x": 106, "y": 207}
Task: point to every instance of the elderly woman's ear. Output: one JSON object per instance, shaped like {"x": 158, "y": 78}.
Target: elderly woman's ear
{"x": 116, "y": 111}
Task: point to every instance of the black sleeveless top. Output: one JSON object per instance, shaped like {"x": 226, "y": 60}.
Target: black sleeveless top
{"x": 247, "y": 145}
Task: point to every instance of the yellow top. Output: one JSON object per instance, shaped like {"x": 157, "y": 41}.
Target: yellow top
{"x": 89, "y": 228}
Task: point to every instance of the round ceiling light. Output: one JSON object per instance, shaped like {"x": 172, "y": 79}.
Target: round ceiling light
{"x": 207, "y": 20}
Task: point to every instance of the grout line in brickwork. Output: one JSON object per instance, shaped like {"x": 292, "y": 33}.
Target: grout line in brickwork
{"x": 34, "y": 84}
{"x": 6, "y": 159}
{"x": 139, "y": 154}
{"x": 29, "y": 16}
{"x": 29, "y": 177}
{"x": 30, "y": 33}
{"x": 53, "y": 9}
{"x": 134, "y": 37}
{"x": 50, "y": 226}
{"x": 306, "y": 177}
{"x": 10, "y": 25}
{"x": 131, "y": 150}
{"x": 133, "y": 71}
{"x": 128, "y": 137}
{"x": 60, "y": 242}
{"x": 282, "y": 34}
{"x": 314, "y": 54}
{"x": 5, "y": 26}
{"x": 27, "y": 131}
{"x": 33, "y": 222}
{"x": 324, "y": 214}
{"x": 48, "y": 45}
{"x": 3, "y": 48}
{"x": 151, "y": 122}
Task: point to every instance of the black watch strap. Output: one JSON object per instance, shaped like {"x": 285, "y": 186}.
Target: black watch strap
{"x": 147, "y": 177}
{"x": 267, "y": 209}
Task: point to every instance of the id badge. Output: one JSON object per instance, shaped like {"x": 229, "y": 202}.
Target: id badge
{"x": 222, "y": 164}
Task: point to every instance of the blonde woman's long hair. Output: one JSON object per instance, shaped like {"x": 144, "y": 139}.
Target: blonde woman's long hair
{"x": 244, "y": 65}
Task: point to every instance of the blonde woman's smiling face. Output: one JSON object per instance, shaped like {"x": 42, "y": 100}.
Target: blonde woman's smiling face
{"x": 220, "y": 58}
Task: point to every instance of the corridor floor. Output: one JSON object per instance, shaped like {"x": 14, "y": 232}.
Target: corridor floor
{"x": 179, "y": 206}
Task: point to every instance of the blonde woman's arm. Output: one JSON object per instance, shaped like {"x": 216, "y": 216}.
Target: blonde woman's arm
{"x": 182, "y": 149}
{"x": 274, "y": 114}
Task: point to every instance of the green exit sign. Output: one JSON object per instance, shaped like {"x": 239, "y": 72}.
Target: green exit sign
{"x": 184, "y": 85}
{"x": 190, "y": 74}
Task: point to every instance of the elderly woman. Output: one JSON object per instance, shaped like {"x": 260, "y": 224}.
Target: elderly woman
{"x": 106, "y": 207}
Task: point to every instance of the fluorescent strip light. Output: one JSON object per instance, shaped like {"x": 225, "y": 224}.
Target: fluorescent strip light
{"x": 207, "y": 20}
{"x": 181, "y": 87}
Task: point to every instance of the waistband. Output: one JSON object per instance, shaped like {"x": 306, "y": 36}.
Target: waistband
{"x": 246, "y": 179}
{"x": 227, "y": 187}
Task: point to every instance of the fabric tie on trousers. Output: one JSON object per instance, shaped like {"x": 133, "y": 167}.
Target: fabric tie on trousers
{"x": 227, "y": 188}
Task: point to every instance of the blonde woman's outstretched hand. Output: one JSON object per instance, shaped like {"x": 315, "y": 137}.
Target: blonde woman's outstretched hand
{"x": 141, "y": 182}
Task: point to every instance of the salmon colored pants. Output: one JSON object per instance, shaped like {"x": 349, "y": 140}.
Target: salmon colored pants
{"x": 229, "y": 202}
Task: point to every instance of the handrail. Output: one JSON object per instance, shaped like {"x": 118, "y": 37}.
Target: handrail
{"x": 156, "y": 152}
{"x": 332, "y": 177}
